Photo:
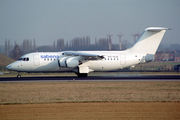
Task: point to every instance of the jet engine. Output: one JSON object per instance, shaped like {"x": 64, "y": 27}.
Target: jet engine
{"x": 68, "y": 62}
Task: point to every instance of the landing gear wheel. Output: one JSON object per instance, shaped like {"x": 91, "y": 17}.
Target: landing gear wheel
{"x": 18, "y": 76}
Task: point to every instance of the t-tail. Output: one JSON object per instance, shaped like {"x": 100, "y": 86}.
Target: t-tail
{"x": 148, "y": 42}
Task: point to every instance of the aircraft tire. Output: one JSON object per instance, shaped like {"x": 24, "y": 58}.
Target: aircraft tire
{"x": 18, "y": 76}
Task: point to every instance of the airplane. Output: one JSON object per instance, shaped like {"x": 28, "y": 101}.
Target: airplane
{"x": 84, "y": 62}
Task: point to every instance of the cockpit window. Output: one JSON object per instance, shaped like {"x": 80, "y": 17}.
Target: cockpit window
{"x": 20, "y": 59}
{"x": 23, "y": 59}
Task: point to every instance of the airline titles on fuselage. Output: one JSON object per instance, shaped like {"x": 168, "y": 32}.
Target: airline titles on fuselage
{"x": 49, "y": 56}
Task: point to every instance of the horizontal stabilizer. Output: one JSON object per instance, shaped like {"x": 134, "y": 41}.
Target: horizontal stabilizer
{"x": 156, "y": 29}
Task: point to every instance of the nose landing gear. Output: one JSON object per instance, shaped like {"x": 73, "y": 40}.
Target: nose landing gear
{"x": 18, "y": 76}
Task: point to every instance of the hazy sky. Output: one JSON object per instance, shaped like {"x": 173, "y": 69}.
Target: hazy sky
{"x": 49, "y": 20}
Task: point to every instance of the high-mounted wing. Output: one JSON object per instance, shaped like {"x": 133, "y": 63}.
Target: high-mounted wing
{"x": 73, "y": 59}
{"x": 83, "y": 54}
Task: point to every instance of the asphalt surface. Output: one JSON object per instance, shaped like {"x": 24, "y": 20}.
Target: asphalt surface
{"x": 94, "y": 78}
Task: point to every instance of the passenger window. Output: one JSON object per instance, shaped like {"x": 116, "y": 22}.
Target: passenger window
{"x": 44, "y": 59}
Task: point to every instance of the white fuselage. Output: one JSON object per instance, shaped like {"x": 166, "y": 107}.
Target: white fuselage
{"x": 48, "y": 62}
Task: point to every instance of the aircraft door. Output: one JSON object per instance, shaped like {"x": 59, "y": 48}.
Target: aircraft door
{"x": 122, "y": 59}
{"x": 36, "y": 60}
{"x": 20, "y": 64}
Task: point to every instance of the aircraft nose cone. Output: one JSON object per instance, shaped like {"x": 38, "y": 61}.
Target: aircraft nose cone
{"x": 9, "y": 67}
{"x": 13, "y": 66}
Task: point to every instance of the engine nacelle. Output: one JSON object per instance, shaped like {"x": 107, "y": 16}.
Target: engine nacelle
{"x": 68, "y": 62}
{"x": 62, "y": 62}
{"x": 72, "y": 62}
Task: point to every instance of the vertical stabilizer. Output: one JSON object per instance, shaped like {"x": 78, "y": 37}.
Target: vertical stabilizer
{"x": 149, "y": 41}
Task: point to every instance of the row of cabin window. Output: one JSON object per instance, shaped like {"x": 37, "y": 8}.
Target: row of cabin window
{"x": 23, "y": 59}
{"x": 49, "y": 59}
{"x": 110, "y": 58}
{"x": 104, "y": 59}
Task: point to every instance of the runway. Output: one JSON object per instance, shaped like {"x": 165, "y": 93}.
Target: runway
{"x": 93, "y": 78}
